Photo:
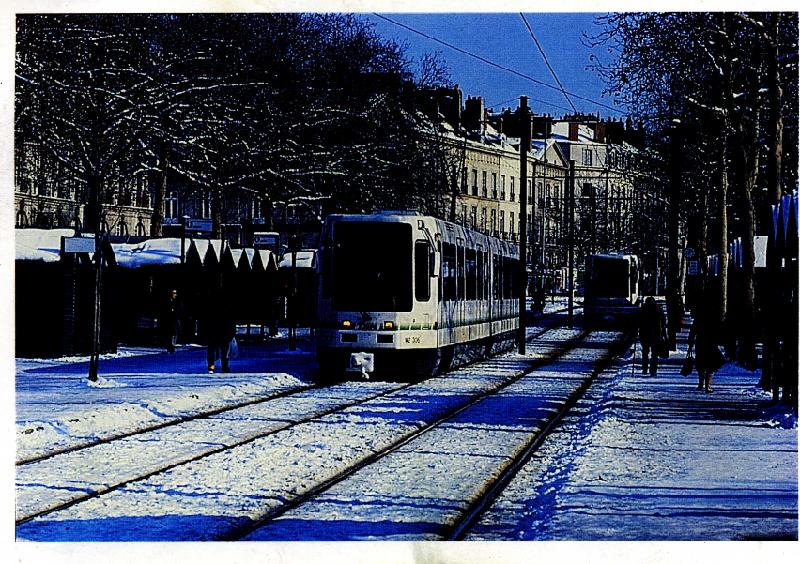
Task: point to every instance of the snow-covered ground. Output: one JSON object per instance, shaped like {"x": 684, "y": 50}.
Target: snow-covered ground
{"x": 207, "y": 498}
{"x": 654, "y": 459}
{"x": 641, "y": 458}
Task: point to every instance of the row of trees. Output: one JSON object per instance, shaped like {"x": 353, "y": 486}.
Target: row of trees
{"x": 719, "y": 93}
{"x": 287, "y": 106}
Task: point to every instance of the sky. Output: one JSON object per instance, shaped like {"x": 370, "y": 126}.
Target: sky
{"x": 504, "y": 39}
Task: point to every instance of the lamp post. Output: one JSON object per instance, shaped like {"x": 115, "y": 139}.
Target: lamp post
{"x": 185, "y": 219}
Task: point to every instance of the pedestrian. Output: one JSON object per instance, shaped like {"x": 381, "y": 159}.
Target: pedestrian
{"x": 220, "y": 332}
{"x": 702, "y": 339}
{"x": 171, "y": 315}
{"x": 652, "y": 334}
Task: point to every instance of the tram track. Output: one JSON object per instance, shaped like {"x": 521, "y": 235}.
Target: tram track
{"x": 74, "y": 497}
{"x": 324, "y": 485}
{"x": 479, "y": 506}
{"x": 228, "y": 408}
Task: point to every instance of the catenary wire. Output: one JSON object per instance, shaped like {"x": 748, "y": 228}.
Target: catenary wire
{"x": 498, "y": 66}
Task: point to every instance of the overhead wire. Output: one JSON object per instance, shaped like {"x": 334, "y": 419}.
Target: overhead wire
{"x": 498, "y": 66}
{"x": 546, "y": 62}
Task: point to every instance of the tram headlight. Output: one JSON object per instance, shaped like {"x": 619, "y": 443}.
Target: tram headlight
{"x": 346, "y": 324}
{"x": 388, "y": 325}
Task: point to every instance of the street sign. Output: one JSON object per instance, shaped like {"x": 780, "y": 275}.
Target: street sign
{"x": 77, "y": 245}
{"x": 689, "y": 252}
{"x": 693, "y": 268}
{"x": 266, "y": 240}
{"x": 198, "y": 225}
{"x": 760, "y": 249}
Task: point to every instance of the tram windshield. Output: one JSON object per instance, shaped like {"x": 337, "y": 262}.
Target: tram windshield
{"x": 371, "y": 266}
{"x": 609, "y": 278}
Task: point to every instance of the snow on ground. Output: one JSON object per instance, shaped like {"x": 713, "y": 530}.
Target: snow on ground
{"x": 203, "y": 499}
{"x": 57, "y": 408}
{"x": 654, "y": 459}
{"x": 426, "y": 484}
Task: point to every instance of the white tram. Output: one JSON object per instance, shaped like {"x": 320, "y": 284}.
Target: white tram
{"x": 411, "y": 292}
{"x": 611, "y": 294}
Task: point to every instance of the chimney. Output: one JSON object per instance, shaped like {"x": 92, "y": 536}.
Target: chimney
{"x": 600, "y": 132}
{"x": 573, "y": 131}
{"x": 474, "y": 114}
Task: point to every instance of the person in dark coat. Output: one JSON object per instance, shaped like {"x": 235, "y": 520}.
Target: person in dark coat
{"x": 702, "y": 339}
{"x": 220, "y": 331}
{"x": 171, "y": 320}
{"x": 652, "y": 331}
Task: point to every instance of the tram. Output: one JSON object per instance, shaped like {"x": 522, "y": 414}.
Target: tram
{"x": 611, "y": 293}
{"x": 405, "y": 293}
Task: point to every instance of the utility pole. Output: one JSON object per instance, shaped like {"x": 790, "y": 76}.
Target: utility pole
{"x": 571, "y": 241}
{"x": 524, "y": 115}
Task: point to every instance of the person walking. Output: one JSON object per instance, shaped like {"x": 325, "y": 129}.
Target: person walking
{"x": 652, "y": 329}
{"x": 708, "y": 358}
{"x": 171, "y": 320}
{"x": 220, "y": 332}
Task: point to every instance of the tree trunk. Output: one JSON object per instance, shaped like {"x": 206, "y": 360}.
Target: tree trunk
{"x": 769, "y": 373}
{"x": 94, "y": 198}
{"x": 674, "y": 307}
{"x": 216, "y": 214}
{"x": 159, "y": 196}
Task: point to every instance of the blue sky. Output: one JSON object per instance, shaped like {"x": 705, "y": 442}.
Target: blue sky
{"x": 504, "y": 39}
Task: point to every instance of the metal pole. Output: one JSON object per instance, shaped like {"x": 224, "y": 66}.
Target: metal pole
{"x": 94, "y": 358}
{"x": 524, "y": 147}
{"x": 571, "y": 241}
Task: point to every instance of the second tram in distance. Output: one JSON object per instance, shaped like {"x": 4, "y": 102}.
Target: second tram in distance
{"x": 411, "y": 293}
{"x": 612, "y": 289}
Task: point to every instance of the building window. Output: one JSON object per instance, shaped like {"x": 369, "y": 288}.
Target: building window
{"x": 484, "y": 192}
{"x": 494, "y": 223}
{"x": 586, "y": 190}
{"x": 463, "y": 214}
{"x": 503, "y": 187}
{"x": 171, "y": 205}
{"x": 503, "y": 223}
{"x": 586, "y": 156}
{"x": 256, "y": 209}
{"x": 474, "y": 182}
{"x": 494, "y": 185}
{"x": 474, "y": 217}
{"x": 511, "y": 223}
{"x": 483, "y": 219}
{"x": 513, "y": 193}
{"x": 464, "y": 180}
{"x": 530, "y": 191}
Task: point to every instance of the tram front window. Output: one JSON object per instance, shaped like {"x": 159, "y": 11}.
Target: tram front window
{"x": 371, "y": 266}
{"x": 610, "y": 278}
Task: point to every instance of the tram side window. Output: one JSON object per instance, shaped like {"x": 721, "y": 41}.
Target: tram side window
{"x": 485, "y": 275}
{"x": 471, "y": 265}
{"x": 497, "y": 277}
{"x": 422, "y": 275}
{"x": 449, "y": 271}
{"x": 479, "y": 273}
{"x": 461, "y": 273}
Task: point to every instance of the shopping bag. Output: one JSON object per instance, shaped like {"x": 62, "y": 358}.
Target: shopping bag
{"x": 688, "y": 365}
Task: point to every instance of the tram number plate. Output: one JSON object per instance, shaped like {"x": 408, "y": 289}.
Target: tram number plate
{"x": 413, "y": 340}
